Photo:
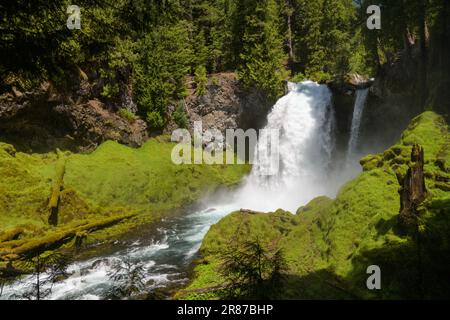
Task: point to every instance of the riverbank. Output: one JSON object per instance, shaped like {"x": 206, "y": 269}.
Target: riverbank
{"x": 61, "y": 200}
{"x": 329, "y": 243}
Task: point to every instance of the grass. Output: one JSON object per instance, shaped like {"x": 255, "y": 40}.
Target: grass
{"x": 113, "y": 181}
{"x": 329, "y": 243}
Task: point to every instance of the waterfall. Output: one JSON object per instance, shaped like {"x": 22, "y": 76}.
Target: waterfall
{"x": 305, "y": 121}
{"x": 360, "y": 102}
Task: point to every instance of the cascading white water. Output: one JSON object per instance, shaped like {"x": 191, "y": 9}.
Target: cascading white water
{"x": 360, "y": 103}
{"x": 305, "y": 120}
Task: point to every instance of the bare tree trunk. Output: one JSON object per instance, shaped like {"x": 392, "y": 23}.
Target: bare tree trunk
{"x": 413, "y": 190}
{"x": 424, "y": 38}
{"x": 409, "y": 40}
{"x": 289, "y": 33}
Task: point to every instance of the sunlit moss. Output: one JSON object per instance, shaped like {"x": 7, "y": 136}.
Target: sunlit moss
{"x": 112, "y": 181}
{"x": 330, "y": 243}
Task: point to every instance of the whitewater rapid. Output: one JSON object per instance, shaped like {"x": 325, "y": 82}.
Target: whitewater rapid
{"x": 165, "y": 257}
{"x": 305, "y": 120}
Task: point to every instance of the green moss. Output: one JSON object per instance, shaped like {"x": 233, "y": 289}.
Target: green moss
{"x": 112, "y": 181}
{"x": 330, "y": 243}
{"x": 371, "y": 162}
{"x": 144, "y": 178}
{"x": 315, "y": 206}
{"x": 430, "y": 131}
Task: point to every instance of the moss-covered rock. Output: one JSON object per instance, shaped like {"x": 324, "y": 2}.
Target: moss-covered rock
{"x": 330, "y": 243}
{"x": 113, "y": 181}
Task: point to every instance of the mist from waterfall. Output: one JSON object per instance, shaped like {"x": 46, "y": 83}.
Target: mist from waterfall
{"x": 306, "y": 121}
{"x": 360, "y": 103}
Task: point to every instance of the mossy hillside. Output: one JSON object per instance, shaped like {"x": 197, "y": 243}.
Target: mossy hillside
{"x": 144, "y": 178}
{"x": 113, "y": 181}
{"x": 329, "y": 244}
{"x": 24, "y": 186}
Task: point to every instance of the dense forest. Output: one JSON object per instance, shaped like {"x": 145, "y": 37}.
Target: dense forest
{"x": 152, "y": 46}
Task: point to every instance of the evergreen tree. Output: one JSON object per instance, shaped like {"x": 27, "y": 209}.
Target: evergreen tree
{"x": 323, "y": 31}
{"x": 258, "y": 46}
{"x": 308, "y": 33}
{"x": 212, "y": 33}
{"x": 165, "y": 58}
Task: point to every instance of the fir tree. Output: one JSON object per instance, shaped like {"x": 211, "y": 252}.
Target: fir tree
{"x": 258, "y": 46}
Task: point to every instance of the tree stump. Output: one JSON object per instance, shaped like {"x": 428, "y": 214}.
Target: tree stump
{"x": 413, "y": 191}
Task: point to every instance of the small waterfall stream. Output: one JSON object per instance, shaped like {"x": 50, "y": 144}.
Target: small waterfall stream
{"x": 360, "y": 103}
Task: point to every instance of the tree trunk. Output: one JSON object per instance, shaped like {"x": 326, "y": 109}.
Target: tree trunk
{"x": 424, "y": 39}
{"x": 289, "y": 33}
{"x": 58, "y": 186}
{"x": 413, "y": 190}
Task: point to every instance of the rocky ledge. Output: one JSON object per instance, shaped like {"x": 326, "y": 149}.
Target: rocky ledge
{"x": 224, "y": 105}
{"x": 45, "y": 119}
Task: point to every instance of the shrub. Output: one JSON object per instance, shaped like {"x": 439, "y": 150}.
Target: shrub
{"x": 110, "y": 90}
{"x": 201, "y": 79}
{"x": 180, "y": 117}
{"x": 253, "y": 271}
{"x": 155, "y": 120}
{"x": 126, "y": 114}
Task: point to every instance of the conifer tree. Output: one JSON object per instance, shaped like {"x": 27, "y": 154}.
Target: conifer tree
{"x": 258, "y": 46}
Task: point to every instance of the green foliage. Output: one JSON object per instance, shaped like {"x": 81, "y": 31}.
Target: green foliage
{"x": 180, "y": 117}
{"x": 201, "y": 80}
{"x": 126, "y": 114}
{"x": 160, "y": 72}
{"x": 53, "y": 264}
{"x": 252, "y": 271}
{"x": 150, "y": 46}
{"x": 258, "y": 45}
{"x": 110, "y": 90}
{"x": 35, "y": 41}
{"x": 127, "y": 277}
{"x": 324, "y": 37}
{"x": 155, "y": 119}
{"x": 211, "y": 23}
{"x": 329, "y": 244}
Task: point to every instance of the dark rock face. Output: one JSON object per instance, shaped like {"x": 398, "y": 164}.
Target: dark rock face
{"x": 343, "y": 103}
{"x": 392, "y": 102}
{"x": 224, "y": 106}
{"x": 404, "y": 87}
{"x": 91, "y": 124}
{"x": 413, "y": 191}
{"x": 45, "y": 119}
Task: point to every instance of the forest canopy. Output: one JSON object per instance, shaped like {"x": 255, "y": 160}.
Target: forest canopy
{"x": 152, "y": 46}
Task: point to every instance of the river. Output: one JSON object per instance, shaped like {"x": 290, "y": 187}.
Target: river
{"x": 166, "y": 257}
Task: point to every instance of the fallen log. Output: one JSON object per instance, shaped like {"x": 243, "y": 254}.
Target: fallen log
{"x": 18, "y": 249}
